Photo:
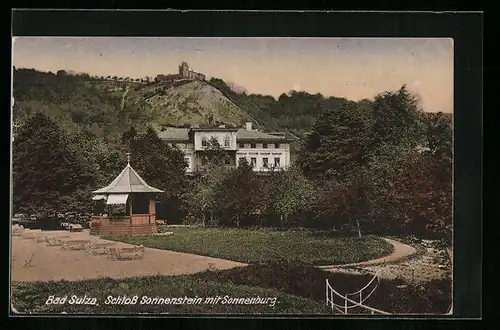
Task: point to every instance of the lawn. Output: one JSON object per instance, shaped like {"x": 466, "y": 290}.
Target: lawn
{"x": 32, "y": 297}
{"x": 260, "y": 246}
{"x": 299, "y": 289}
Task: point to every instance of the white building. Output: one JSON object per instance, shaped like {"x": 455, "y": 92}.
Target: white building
{"x": 263, "y": 151}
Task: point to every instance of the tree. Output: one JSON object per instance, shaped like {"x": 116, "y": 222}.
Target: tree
{"x": 47, "y": 175}
{"x": 215, "y": 154}
{"x": 202, "y": 198}
{"x": 240, "y": 198}
{"x": 162, "y": 167}
{"x": 291, "y": 193}
{"x": 339, "y": 143}
{"x": 398, "y": 118}
{"x": 439, "y": 134}
{"x": 160, "y": 164}
{"x": 422, "y": 195}
{"x": 129, "y": 136}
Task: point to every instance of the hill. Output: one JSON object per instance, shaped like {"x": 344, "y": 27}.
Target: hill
{"x": 194, "y": 102}
{"x": 111, "y": 107}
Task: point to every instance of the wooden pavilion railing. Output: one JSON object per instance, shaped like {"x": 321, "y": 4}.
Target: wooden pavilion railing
{"x": 121, "y": 226}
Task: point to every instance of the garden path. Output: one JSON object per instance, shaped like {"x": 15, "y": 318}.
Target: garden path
{"x": 401, "y": 250}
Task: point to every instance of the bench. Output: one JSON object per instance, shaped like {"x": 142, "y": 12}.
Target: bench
{"x": 75, "y": 228}
{"x": 75, "y": 245}
{"x": 41, "y": 239}
{"x": 98, "y": 248}
{"x": 136, "y": 252}
{"x": 30, "y": 237}
{"x": 17, "y": 232}
{"x": 56, "y": 241}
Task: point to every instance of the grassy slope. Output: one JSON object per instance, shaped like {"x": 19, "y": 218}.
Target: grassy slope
{"x": 265, "y": 245}
{"x": 110, "y": 107}
{"x": 193, "y": 103}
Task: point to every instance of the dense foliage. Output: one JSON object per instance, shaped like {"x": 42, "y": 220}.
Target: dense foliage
{"x": 48, "y": 176}
{"x": 372, "y": 166}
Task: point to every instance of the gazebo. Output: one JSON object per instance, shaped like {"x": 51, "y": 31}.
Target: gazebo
{"x": 138, "y": 200}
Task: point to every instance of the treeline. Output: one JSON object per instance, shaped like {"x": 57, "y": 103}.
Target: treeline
{"x": 76, "y": 102}
{"x": 80, "y": 101}
{"x": 375, "y": 166}
{"x": 293, "y": 112}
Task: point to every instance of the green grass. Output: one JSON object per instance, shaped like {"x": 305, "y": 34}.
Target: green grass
{"x": 259, "y": 246}
{"x": 31, "y": 297}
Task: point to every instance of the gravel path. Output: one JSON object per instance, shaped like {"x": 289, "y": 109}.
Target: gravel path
{"x": 432, "y": 263}
{"x": 51, "y": 263}
{"x": 401, "y": 250}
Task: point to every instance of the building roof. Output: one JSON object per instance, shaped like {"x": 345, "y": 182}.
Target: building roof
{"x": 174, "y": 134}
{"x": 247, "y": 135}
{"x": 214, "y": 129}
{"x": 128, "y": 181}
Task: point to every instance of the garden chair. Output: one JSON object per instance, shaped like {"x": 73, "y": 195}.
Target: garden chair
{"x": 136, "y": 252}
{"x": 76, "y": 245}
{"x": 27, "y": 263}
{"x": 41, "y": 239}
{"x": 17, "y": 232}
{"x": 113, "y": 253}
{"x": 98, "y": 249}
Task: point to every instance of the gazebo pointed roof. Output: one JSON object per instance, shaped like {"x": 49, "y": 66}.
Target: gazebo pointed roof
{"x": 128, "y": 181}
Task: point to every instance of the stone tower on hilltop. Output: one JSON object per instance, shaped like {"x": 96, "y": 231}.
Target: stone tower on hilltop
{"x": 184, "y": 70}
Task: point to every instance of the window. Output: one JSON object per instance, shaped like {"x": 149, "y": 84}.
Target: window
{"x": 264, "y": 146}
{"x": 276, "y": 145}
{"x": 253, "y": 161}
{"x": 242, "y": 145}
{"x": 204, "y": 161}
{"x": 276, "y": 162}
{"x": 253, "y": 146}
{"x": 140, "y": 204}
{"x": 265, "y": 162}
{"x": 204, "y": 141}
{"x": 227, "y": 141}
{"x": 241, "y": 160}
{"x": 188, "y": 160}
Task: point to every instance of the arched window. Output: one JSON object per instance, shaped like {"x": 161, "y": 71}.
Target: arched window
{"x": 227, "y": 141}
{"x": 204, "y": 141}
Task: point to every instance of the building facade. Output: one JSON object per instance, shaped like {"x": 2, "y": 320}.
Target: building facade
{"x": 263, "y": 151}
{"x": 184, "y": 74}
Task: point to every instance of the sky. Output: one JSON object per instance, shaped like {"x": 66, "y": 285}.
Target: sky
{"x": 341, "y": 67}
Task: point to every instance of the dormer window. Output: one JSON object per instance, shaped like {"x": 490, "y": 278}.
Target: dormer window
{"x": 227, "y": 141}
{"x": 204, "y": 141}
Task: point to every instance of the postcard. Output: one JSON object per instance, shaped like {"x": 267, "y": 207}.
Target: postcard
{"x": 232, "y": 176}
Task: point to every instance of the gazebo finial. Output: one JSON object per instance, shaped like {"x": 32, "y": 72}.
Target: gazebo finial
{"x": 128, "y": 158}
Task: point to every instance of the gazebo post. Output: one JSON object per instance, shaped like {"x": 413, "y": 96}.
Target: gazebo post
{"x": 152, "y": 209}
{"x": 130, "y": 207}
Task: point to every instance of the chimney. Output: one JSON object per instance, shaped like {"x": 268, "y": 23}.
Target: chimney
{"x": 248, "y": 125}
